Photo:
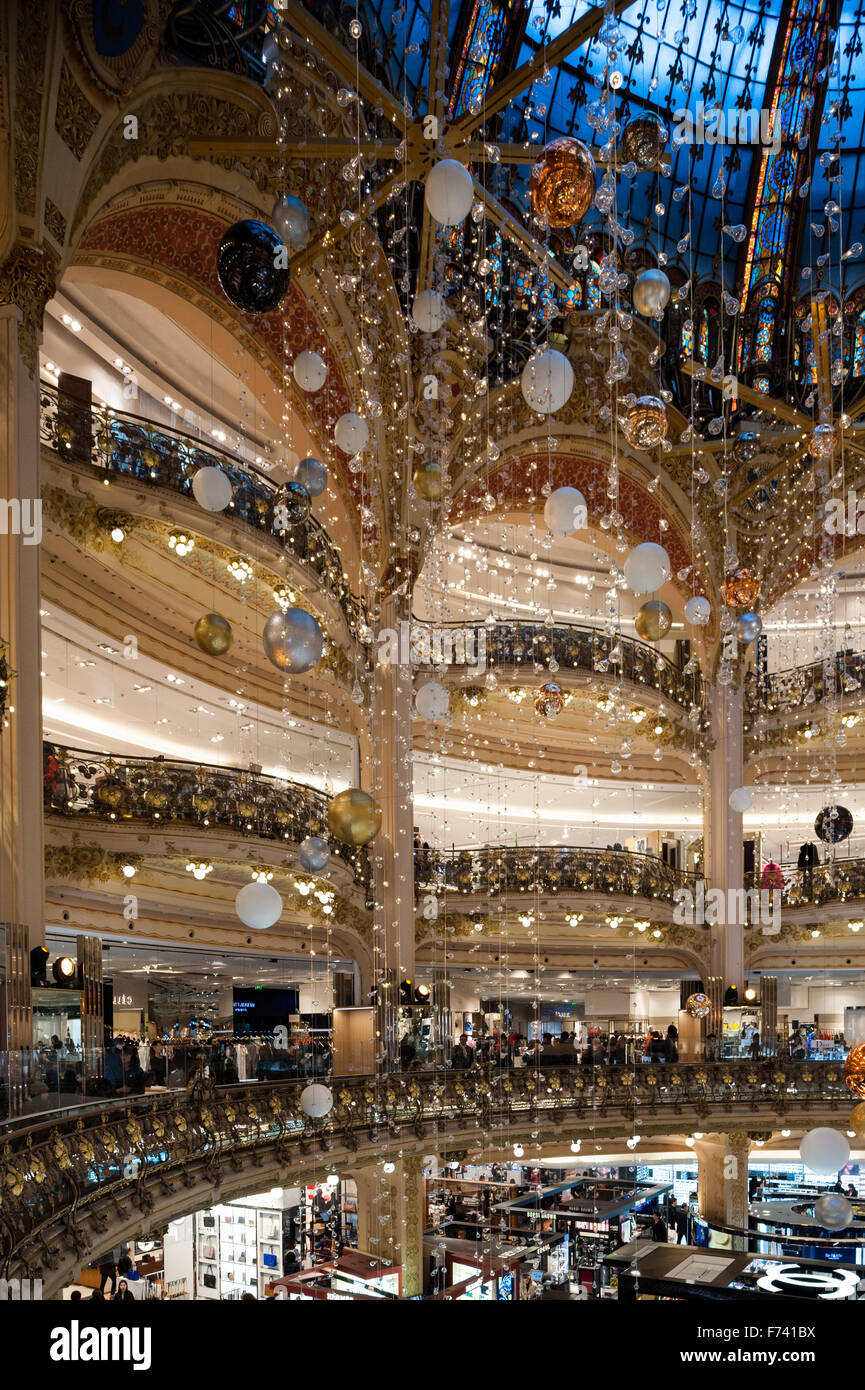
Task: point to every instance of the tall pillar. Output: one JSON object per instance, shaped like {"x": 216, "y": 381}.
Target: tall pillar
{"x": 25, "y": 278}
{"x": 393, "y": 847}
{"x": 390, "y": 1217}
{"x": 722, "y": 829}
{"x": 722, "y": 1179}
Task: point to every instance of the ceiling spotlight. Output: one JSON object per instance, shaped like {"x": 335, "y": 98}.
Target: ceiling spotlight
{"x": 518, "y": 1150}
{"x": 63, "y": 969}
{"x": 690, "y": 1141}
{"x": 576, "y": 1145}
{"x": 750, "y": 994}
{"x": 117, "y": 534}
{"x": 181, "y": 545}
{"x": 199, "y": 868}
{"x": 128, "y": 870}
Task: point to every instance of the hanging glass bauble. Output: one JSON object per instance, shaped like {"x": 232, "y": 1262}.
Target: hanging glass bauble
{"x": 647, "y": 567}
{"x": 295, "y": 499}
{"x": 449, "y": 192}
{"x": 698, "y": 1005}
{"x": 651, "y": 293}
{"x": 563, "y": 182}
{"x": 643, "y": 141}
{"x": 213, "y": 634}
{"x": 749, "y": 627}
{"x": 653, "y": 621}
{"x": 645, "y": 423}
{"x": 833, "y": 1211}
{"x": 293, "y": 640}
{"x": 354, "y": 818}
{"x": 747, "y": 446}
{"x": 547, "y": 381}
{"x": 741, "y": 588}
{"x": 290, "y": 218}
{"x": 698, "y": 611}
{"x": 311, "y": 474}
{"x": 823, "y": 441}
{"x": 427, "y": 479}
{"x": 549, "y": 700}
{"x": 309, "y": 370}
{"x": 833, "y": 824}
{"x": 250, "y": 265}
{"x": 314, "y": 854}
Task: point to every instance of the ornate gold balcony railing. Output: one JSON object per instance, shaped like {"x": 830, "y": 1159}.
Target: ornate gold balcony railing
{"x": 841, "y": 880}
{"x": 551, "y": 869}
{"x": 161, "y": 456}
{"x": 803, "y": 687}
{"x": 573, "y": 648}
{"x": 62, "y": 1181}
{"x": 82, "y": 784}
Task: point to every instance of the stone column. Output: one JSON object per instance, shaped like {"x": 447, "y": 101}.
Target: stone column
{"x": 722, "y": 1179}
{"x": 21, "y": 863}
{"x": 393, "y": 847}
{"x": 390, "y": 1218}
{"x": 722, "y": 829}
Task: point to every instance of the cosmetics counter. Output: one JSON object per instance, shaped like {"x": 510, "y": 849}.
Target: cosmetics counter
{"x": 646, "y": 1270}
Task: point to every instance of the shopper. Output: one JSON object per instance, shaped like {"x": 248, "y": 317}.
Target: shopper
{"x": 123, "y": 1294}
{"x": 659, "y": 1229}
{"x": 672, "y": 1043}
{"x": 683, "y": 1217}
{"x": 462, "y": 1056}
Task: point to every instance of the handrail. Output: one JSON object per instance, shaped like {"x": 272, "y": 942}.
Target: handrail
{"x": 93, "y": 1159}
{"x": 569, "y": 646}
{"x": 118, "y": 787}
{"x": 836, "y": 881}
{"x": 163, "y": 456}
{"x": 799, "y": 687}
{"x": 549, "y": 869}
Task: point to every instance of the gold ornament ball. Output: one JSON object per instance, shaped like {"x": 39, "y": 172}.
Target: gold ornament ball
{"x": 427, "y": 479}
{"x": 653, "y": 621}
{"x": 549, "y": 700}
{"x": 857, "y": 1120}
{"x": 563, "y": 182}
{"x": 213, "y": 634}
{"x": 646, "y": 422}
{"x": 854, "y": 1071}
{"x": 698, "y": 1005}
{"x": 741, "y": 589}
{"x": 643, "y": 141}
{"x": 354, "y": 818}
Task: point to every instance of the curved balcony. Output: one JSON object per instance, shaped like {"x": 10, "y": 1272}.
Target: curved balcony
{"x": 498, "y": 871}
{"x": 74, "y": 1186}
{"x": 522, "y": 645}
{"x": 157, "y": 791}
{"x": 842, "y": 880}
{"x": 163, "y": 457}
{"x": 796, "y": 690}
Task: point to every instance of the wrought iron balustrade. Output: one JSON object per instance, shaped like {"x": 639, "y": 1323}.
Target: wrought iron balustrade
{"x": 63, "y": 1180}
{"x": 571, "y": 647}
{"x": 802, "y": 687}
{"x": 161, "y": 456}
{"x": 78, "y": 783}
{"x": 494, "y": 870}
{"x": 838, "y": 880}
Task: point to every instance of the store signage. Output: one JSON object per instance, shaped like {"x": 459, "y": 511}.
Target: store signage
{"x": 122, "y": 1001}
{"x": 814, "y": 1283}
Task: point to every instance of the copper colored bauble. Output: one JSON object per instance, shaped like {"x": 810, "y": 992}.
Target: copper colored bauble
{"x": 354, "y": 818}
{"x": 833, "y": 824}
{"x": 653, "y": 621}
{"x": 854, "y": 1071}
{"x": 857, "y": 1120}
{"x": 643, "y": 141}
{"x": 645, "y": 423}
{"x": 427, "y": 479}
{"x": 698, "y": 1005}
{"x": 563, "y": 182}
{"x": 251, "y": 265}
{"x": 741, "y": 589}
{"x": 213, "y": 634}
{"x": 549, "y": 700}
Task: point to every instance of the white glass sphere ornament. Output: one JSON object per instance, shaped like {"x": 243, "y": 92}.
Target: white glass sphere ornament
{"x": 431, "y": 701}
{"x": 351, "y": 433}
{"x": 309, "y": 370}
{"x": 314, "y": 854}
{"x": 429, "y": 311}
{"x": 651, "y": 293}
{"x": 312, "y": 475}
{"x": 212, "y": 489}
{"x": 565, "y": 511}
{"x": 449, "y": 192}
{"x": 698, "y": 611}
{"x": 258, "y": 905}
{"x": 833, "y": 1211}
{"x": 290, "y": 220}
{"x": 547, "y": 381}
{"x": 647, "y": 568}
{"x": 292, "y": 640}
{"x": 824, "y": 1150}
{"x": 748, "y": 627}
{"x": 741, "y": 800}
{"x": 316, "y": 1100}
